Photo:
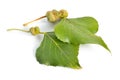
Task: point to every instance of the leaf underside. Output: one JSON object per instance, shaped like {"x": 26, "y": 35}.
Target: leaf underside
{"x": 54, "y": 52}
{"x": 79, "y": 31}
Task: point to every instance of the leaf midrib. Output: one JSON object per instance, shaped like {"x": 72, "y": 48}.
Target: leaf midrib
{"x": 58, "y": 47}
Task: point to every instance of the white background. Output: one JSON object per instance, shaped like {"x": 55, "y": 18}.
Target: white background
{"x": 17, "y": 49}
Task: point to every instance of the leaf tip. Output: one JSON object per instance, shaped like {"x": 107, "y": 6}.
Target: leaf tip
{"x": 110, "y": 52}
{"x": 78, "y": 66}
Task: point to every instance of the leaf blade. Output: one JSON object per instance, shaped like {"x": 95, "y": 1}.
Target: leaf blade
{"x": 57, "y": 53}
{"x": 70, "y": 32}
{"x": 89, "y": 23}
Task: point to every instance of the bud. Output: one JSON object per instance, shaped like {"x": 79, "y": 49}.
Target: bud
{"x": 35, "y": 30}
{"x": 63, "y": 13}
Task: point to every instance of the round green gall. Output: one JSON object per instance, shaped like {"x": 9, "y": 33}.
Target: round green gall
{"x": 35, "y": 30}
{"x": 52, "y": 16}
{"x": 63, "y": 13}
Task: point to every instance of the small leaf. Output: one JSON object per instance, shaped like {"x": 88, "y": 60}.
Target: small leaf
{"x": 75, "y": 32}
{"x": 54, "y": 52}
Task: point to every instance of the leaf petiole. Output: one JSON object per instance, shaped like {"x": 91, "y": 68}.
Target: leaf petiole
{"x": 33, "y": 30}
{"x": 17, "y": 30}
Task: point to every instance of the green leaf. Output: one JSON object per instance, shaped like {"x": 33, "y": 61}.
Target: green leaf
{"x": 75, "y": 31}
{"x": 54, "y": 52}
{"x": 87, "y": 22}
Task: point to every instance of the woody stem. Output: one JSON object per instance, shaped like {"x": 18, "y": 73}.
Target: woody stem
{"x": 25, "y": 24}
